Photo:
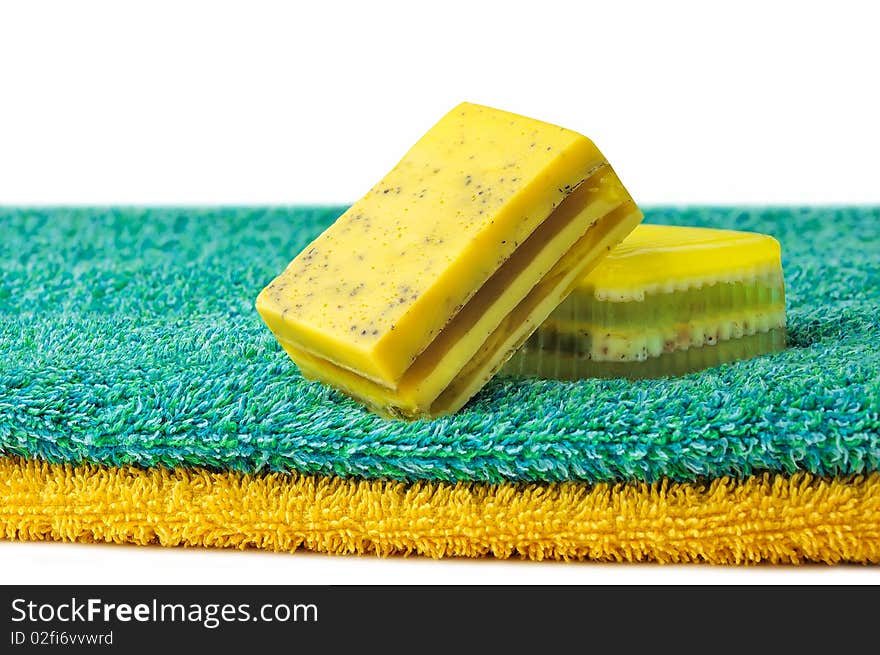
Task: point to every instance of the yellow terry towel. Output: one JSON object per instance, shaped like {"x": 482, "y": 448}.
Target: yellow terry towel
{"x": 765, "y": 518}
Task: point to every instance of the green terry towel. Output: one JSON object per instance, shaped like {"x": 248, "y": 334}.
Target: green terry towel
{"x": 128, "y": 336}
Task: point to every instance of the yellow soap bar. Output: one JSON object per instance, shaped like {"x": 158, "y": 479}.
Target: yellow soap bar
{"x": 410, "y": 286}
{"x": 657, "y": 259}
{"x": 666, "y": 301}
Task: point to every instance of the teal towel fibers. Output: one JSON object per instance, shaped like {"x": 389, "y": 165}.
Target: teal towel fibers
{"x": 128, "y": 336}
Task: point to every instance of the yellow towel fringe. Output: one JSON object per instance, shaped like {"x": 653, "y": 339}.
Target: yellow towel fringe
{"x": 765, "y": 518}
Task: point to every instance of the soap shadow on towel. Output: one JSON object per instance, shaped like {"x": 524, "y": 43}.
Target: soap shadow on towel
{"x": 804, "y": 332}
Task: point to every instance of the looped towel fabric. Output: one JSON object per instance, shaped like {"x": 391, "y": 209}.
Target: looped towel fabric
{"x": 129, "y": 341}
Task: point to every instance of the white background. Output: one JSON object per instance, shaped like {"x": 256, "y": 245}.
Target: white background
{"x": 268, "y": 102}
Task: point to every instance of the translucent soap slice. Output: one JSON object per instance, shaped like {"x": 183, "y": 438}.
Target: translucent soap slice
{"x": 667, "y": 301}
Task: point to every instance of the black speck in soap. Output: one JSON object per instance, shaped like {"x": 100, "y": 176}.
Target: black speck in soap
{"x": 467, "y": 180}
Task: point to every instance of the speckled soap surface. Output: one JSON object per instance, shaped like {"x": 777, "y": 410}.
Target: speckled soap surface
{"x": 410, "y": 301}
{"x": 377, "y": 285}
{"x": 129, "y": 336}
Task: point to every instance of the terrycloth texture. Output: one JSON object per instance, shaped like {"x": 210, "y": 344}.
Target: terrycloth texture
{"x": 767, "y": 518}
{"x": 129, "y": 336}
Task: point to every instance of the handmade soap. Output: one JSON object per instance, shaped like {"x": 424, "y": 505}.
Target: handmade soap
{"x": 666, "y": 301}
{"x": 420, "y": 291}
